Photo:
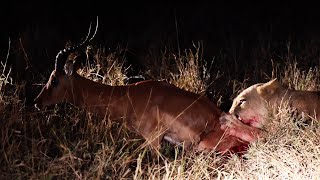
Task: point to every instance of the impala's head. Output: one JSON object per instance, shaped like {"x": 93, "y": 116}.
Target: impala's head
{"x": 55, "y": 90}
{"x": 59, "y": 83}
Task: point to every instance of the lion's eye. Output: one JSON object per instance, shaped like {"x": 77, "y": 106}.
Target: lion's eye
{"x": 242, "y": 101}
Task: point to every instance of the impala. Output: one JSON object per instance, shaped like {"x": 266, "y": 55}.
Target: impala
{"x": 155, "y": 110}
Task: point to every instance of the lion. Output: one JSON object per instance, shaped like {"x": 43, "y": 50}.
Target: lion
{"x": 251, "y": 108}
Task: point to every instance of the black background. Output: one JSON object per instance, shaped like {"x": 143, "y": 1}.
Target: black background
{"x": 139, "y": 25}
{"x": 47, "y": 25}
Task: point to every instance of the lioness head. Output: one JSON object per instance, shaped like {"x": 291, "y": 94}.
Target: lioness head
{"x": 251, "y": 105}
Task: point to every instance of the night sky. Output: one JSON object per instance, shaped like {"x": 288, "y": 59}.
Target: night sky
{"x": 135, "y": 23}
{"x": 47, "y": 26}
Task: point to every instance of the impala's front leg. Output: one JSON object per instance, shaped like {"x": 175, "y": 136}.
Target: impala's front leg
{"x": 216, "y": 140}
{"x": 234, "y": 127}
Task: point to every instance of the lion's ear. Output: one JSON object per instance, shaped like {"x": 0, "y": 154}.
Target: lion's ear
{"x": 268, "y": 88}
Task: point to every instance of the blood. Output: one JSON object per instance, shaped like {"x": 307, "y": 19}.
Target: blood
{"x": 249, "y": 121}
{"x": 240, "y": 150}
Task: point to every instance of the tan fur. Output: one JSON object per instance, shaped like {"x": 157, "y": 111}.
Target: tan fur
{"x": 252, "y": 107}
{"x": 153, "y": 109}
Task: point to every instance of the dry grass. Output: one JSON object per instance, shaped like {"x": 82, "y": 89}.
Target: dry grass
{"x": 67, "y": 143}
{"x": 186, "y": 70}
{"x": 291, "y": 150}
{"x": 193, "y": 73}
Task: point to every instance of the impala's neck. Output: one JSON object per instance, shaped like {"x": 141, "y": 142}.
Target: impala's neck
{"x": 85, "y": 93}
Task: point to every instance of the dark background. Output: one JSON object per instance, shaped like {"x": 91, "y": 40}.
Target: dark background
{"x": 48, "y": 25}
{"x": 234, "y": 29}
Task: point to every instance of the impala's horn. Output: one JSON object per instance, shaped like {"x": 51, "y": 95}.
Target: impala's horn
{"x": 63, "y": 54}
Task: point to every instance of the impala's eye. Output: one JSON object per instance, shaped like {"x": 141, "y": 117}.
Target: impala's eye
{"x": 54, "y": 82}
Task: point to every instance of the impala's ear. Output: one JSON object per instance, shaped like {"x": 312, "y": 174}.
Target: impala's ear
{"x": 268, "y": 88}
{"x": 72, "y": 66}
{"x": 68, "y": 68}
{"x": 77, "y": 61}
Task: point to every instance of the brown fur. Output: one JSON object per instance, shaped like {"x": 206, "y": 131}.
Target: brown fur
{"x": 153, "y": 109}
{"x": 252, "y": 107}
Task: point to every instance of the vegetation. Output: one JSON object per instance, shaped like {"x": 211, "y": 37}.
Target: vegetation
{"x": 64, "y": 142}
